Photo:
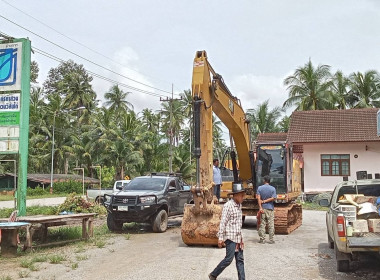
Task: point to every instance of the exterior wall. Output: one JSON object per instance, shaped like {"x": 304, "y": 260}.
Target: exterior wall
{"x": 367, "y": 160}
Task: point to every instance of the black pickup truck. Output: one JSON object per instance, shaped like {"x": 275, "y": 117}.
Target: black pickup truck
{"x": 148, "y": 199}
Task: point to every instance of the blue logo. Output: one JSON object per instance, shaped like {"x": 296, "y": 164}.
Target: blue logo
{"x": 8, "y": 66}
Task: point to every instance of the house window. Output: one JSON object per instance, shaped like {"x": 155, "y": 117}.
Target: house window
{"x": 335, "y": 165}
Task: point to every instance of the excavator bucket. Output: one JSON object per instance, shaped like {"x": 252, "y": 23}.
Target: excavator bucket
{"x": 200, "y": 227}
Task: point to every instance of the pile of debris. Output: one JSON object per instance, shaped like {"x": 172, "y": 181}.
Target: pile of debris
{"x": 362, "y": 213}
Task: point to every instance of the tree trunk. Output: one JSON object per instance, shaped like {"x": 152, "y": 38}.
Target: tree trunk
{"x": 66, "y": 165}
{"x": 122, "y": 173}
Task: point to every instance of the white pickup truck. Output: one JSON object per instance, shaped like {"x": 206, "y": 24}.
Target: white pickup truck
{"x": 352, "y": 227}
{"x": 98, "y": 194}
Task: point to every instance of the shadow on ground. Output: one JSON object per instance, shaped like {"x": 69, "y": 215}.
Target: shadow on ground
{"x": 366, "y": 267}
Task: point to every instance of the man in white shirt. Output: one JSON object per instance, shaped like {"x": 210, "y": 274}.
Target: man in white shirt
{"x": 217, "y": 178}
{"x": 230, "y": 234}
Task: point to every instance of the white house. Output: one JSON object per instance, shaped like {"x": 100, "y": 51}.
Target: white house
{"x": 335, "y": 144}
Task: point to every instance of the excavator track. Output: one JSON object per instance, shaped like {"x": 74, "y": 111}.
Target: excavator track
{"x": 287, "y": 218}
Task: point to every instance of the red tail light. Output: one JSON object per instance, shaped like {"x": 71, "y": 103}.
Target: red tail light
{"x": 341, "y": 227}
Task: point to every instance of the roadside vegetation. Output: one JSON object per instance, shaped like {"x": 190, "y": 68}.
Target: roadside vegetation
{"x": 313, "y": 206}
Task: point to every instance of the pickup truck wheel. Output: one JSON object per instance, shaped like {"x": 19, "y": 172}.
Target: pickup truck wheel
{"x": 343, "y": 265}
{"x": 112, "y": 224}
{"x": 330, "y": 241}
{"x": 99, "y": 200}
{"x": 160, "y": 222}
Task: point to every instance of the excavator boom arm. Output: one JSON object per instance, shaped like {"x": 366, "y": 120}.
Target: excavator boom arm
{"x": 217, "y": 98}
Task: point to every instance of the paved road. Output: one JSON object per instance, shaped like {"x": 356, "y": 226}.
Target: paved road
{"x": 304, "y": 254}
{"x": 33, "y": 202}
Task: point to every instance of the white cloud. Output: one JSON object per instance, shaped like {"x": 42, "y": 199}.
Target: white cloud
{"x": 253, "y": 90}
{"x": 127, "y": 67}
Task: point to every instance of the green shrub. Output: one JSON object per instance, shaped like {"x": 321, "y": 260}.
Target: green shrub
{"x": 78, "y": 204}
{"x": 5, "y": 212}
{"x": 38, "y": 191}
{"x": 68, "y": 187}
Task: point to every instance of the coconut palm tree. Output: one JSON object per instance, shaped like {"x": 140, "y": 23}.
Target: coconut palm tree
{"x": 117, "y": 101}
{"x": 219, "y": 145}
{"x": 283, "y": 125}
{"x": 173, "y": 119}
{"x": 77, "y": 90}
{"x": 262, "y": 119}
{"x": 365, "y": 89}
{"x": 339, "y": 87}
{"x": 309, "y": 88}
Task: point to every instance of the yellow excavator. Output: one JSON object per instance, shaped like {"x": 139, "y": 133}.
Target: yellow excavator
{"x": 200, "y": 222}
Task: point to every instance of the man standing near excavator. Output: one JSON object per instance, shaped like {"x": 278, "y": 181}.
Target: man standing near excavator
{"x": 266, "y": 194}
{"x": 230, "y": 234}
{"x": 217, "y": 178}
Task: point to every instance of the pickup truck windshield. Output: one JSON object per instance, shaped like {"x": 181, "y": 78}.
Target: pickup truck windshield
{"x": 367, "y": 190}
{"x": 146, "y": 183}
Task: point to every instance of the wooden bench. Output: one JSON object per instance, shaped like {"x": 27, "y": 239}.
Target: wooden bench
{"x": 43, "y": 222}
{"x": 9, "y": 237}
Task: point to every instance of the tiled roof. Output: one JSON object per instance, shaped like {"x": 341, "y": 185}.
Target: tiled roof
{"x": 351, "y": 125}
{"x": 271, "y": 137}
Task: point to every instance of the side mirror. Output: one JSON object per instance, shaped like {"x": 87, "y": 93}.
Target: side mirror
{"x": 324, "y": 202}
{"x": 172, "y": 189}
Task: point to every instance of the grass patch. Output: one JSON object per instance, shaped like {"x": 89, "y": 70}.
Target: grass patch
{"x": 6, "y": 197}
{"x": 40, "y": 258}
{"x": 6, "y": 278}
{"x": 81, "y": 248}
{"x": 81, "y": 258}
{"x": 101, "y": 230}
{"x": 23, "y": 274}
{"x": 34, "y": 267}
{"x": 65, "y": 233}
{"x": 313, "y": 206}
{"x": 127, "y": 236}
{"x": 56, "y": 259}
{"x": 26, "y": 263}
{"x": 47, "y": 195}
{"x": 30, "y": 211}
{"x": 100, "y": 243}
{"x": 74, "y": 266}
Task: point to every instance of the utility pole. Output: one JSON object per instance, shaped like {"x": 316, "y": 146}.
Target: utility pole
{"x": 170, "y": 100}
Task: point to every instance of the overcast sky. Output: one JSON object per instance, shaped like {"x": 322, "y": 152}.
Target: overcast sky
{"x": 253, "y": 44}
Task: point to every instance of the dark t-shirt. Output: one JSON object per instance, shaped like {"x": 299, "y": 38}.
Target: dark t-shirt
{"x": 267, "y": 191}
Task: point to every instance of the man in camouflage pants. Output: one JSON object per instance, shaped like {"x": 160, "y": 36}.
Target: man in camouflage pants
{"x": 266, "y": 194}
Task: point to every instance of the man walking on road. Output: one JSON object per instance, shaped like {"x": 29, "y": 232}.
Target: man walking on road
{"x": 266, "y": 194}
{"x": 217, "y": 178}
{"x": 230, "y": 234}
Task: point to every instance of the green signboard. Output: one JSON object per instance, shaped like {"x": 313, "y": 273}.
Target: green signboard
{"x": 14, "y": 108}
{"x": 9, "y": 118}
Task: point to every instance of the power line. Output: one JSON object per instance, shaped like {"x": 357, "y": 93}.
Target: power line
{"x": 71, "y": 39}
{"x": 47, "y": 40}
{"x": 48, "y": 55}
